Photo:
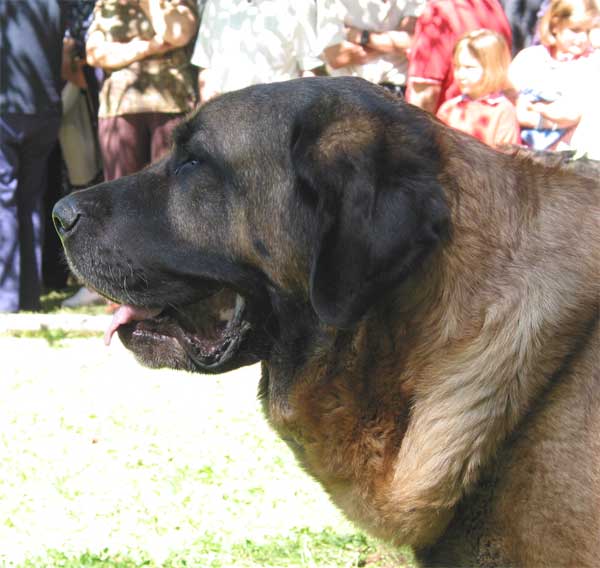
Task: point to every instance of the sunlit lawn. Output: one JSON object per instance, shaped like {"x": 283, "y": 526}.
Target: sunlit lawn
{"x": 104, "y": 463}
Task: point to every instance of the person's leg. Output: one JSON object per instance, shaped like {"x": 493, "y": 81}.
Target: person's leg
{"x": 162, "y": 126}
{"x": 54, "y": 267}
{"x": 9, "y": 224}
{"x": 124, "y": 143}
{"x": 125, "y": 147}
{"x": 40, "y": 139}
{"x": 25, "y": 143}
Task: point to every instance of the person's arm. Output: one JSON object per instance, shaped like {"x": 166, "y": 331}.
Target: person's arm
{"x": 423, "y": 94}
{"x": 175, "y": 23}
{"x": 443, "y": 113}
{"x": 347, "y": 53}
{"x": 430, "y": 58}
{"x": 114, "y": 55}
{"x": 526, "y": 115}
{"x": 562, "y": 113}
{"x": 507, "y": 131}
{"x": 206, "y": 87}
{"x": 559, "y": 114}
{"x": 386, "y": 43}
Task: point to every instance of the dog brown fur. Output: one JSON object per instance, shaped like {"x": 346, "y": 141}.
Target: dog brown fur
{"x": 455, "y": 406}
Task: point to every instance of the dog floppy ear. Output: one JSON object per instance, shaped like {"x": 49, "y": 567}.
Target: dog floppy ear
{"x": 370, "y": 176}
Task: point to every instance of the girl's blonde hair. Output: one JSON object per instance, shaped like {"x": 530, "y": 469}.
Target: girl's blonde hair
{"x": 561, "y": 11}
{"x": 491, "y": 50}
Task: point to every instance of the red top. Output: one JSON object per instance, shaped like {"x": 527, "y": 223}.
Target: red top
{"x": 437, "y": 31}
{"x": 492, "y": 119}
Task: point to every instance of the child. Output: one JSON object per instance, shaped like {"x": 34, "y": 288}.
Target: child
{"x": 554, "y": 79}
{"x": 481, "y": 59}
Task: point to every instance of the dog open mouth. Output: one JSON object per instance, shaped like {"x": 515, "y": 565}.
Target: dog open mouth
{"x": 209, "y": 332}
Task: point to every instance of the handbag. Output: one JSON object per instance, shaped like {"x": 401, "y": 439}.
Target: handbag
{"x": 78, "y": 138}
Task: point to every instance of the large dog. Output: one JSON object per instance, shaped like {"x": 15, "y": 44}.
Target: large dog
{"x": 425, "y": 309}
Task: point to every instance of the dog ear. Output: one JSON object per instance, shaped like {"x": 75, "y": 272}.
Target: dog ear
{"x": 371, "y": 178}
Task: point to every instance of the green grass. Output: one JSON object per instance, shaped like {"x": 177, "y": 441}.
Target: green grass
{"x": 55, "y": 337}
{"x": 106, "y": 464}
{"x": 303, "y": 548}
{"x": 51, "y": 303}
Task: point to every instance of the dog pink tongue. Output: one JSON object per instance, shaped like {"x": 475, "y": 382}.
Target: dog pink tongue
{"x": 126, "y": 314}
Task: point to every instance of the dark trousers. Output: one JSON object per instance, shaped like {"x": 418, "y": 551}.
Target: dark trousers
{"x": 25, "y": 144}
{"x": 130, "y": 142}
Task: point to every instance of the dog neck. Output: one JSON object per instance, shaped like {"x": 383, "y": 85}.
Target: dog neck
{"x": 490, "y": 312}
{"x": 398, "y": 418}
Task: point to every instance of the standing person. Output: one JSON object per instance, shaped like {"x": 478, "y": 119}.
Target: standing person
{"x": 368, "y": 38}
{"x": 78, "y": 134}
{"x": 75, "y": 161}
{"x": 431, "y": 79}
{"x": 143, "y": 48}
{"x": 245, "y": 42}
{"x": 554, "y": 78}
{"x": 481, "y": 59}
{"x": 31, "y": 36}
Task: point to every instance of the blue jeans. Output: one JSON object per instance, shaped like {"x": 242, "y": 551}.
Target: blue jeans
{"x": 25, "y": 143}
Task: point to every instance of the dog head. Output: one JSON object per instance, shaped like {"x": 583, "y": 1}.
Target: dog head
{"x": 312, "y": 197}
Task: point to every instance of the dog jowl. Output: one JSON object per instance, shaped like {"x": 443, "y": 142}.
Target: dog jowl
{"x": 424, "y": 308}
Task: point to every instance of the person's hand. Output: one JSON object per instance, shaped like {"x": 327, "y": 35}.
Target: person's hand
{"x": 157, "y": 45}
{"x": 353, "y": 34}
{"x": 72, "y": 65}
{"x": 174, "y": 22}
{"x": 145, "y": 7}
{"x": 562, "y": 113}
{"x": 538, "y": 106}
{"x": 392, "y": 42}
{"x": 527, "y": 113}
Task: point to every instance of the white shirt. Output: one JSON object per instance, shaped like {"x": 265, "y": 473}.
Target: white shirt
{"x": 245, "y": 42}
{"x": 585, "y": 139}
{"x": 371, "y": 15}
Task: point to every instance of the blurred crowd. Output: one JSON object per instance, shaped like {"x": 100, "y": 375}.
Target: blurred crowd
{"x": 91, "y": 90}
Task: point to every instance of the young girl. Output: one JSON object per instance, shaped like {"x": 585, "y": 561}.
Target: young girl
{"x": 481, "y": 59}
{"x": 554, "y": 78}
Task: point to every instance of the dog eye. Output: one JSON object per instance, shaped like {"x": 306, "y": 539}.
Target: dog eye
{"x": 182, "y": 168}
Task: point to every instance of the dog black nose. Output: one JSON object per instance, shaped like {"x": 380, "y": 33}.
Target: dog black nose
{"x": 65, "y": 216}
